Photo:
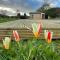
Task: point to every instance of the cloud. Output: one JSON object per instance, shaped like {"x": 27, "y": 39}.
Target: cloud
{"x": 52, "y": 3}
{"x": 29, "y": 5}
{"x": 22, "y": 5}
{"x": 55, "y": 3}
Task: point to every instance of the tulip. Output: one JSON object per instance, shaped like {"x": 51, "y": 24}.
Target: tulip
{"x": 36, "y": 29}
{"x": 39, "y": 28}
{"x": 45, "y": 34}
{"x": 6, "y": 42}
{"x": 16, "y": 36}
{"x": 48, "y": 36}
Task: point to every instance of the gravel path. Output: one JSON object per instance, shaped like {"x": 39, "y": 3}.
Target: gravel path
{"x": 27, "y": 23}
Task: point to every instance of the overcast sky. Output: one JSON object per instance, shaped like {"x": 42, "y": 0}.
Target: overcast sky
{"x": 29, "y": 4}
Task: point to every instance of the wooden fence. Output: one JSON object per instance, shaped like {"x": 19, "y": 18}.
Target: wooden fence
{"x": 26, "y": 33}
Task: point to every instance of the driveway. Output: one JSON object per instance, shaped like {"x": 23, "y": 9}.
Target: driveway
{"x": 26, "y": 23}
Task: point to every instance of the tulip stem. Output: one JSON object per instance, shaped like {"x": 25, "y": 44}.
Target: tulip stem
{"x": 18, "y": 44}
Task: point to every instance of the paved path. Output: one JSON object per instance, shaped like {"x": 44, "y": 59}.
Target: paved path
{"x": 27, "y": 23}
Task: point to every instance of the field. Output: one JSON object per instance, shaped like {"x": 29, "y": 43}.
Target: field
{"x": 7, "y": 19}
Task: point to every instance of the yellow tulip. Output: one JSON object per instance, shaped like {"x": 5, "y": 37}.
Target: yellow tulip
{"x": 6, "y": 42}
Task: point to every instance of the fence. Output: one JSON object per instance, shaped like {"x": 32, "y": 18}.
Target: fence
{"x": 26, "y": 33}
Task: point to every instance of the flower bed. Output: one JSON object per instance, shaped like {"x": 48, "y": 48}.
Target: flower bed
{"x": 30, "y": 50}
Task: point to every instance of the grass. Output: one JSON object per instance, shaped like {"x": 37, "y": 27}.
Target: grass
{"x": 30, "y": 50}
{"x": 6, "y": 19}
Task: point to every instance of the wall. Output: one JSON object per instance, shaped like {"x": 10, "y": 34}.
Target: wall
{"x": 37, "y": 16}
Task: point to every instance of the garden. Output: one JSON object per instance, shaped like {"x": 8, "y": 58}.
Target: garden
{"x": 31, "y": 49}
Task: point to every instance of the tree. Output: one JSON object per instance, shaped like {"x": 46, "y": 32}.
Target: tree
{"x": 43, "y": 8}
{"x": 51, "y": 12}
{"x": 45, "y": 5}
{"x": 47, "y": 9}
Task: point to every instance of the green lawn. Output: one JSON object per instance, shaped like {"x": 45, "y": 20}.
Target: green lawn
{"x": 6, "y": 19}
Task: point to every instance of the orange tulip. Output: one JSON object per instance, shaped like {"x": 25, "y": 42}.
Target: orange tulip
{"x": 36, "y": 34}
{"x": 16, "y": 36}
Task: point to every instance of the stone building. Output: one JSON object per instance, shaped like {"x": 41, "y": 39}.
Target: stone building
{"x": 37, "y": 15}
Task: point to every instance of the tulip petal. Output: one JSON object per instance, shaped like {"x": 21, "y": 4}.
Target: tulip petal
{"x": 16, "y": 35}
{"x": 39, "y": 28}
{"x": 45, "y": 34}
{"x": 34, "y": 26}
{"x": 6, "y": 42}
{"x": 36, "y": 34}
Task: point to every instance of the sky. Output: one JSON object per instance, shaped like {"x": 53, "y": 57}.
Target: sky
{"x": 31, "y": 5}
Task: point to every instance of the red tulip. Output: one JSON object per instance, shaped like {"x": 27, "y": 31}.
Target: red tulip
{"x": 49, "y": 37}
{"x": 39, "y": 28}
{"x": 16, "y": 35}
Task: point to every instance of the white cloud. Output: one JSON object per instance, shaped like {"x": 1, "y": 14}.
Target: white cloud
{"x": 7, "y": 9}
{"x": 22, "y": 5}
{"x": 53, "y": 5}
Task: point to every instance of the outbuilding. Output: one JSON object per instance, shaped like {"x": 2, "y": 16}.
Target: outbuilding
{"x": 37, "y": 15}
